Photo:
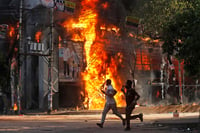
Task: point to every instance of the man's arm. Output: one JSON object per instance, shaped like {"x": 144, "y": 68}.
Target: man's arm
{"x": 102, "y": 87}
{"x": 103, "y": 91}
{"x": 114, "y": 93}
{"x": 136, "y": 98}
{"x": 123, "y": 89}
{"x": 109, "y": 93}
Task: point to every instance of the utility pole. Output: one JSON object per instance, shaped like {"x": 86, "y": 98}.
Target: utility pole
{"x": 180, "y": 82}
{"x": 51, "y": 42}
{"x": 19, "y": 56}
{"x": 183, "y": 86}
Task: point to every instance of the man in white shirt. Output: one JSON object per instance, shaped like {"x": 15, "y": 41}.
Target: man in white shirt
{"x": 66, "y": 59}
{"x": 110, "y": 103}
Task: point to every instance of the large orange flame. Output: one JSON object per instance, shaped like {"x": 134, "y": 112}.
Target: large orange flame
{"x": 100, "y": 66}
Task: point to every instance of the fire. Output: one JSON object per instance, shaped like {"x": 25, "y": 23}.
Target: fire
{"x": 59, "y": 45}
{"x": 100, "y": 66}
{"x": 105, "y": 5}
{"x": 157, "y": 94}
{"x": 146, "y": 39}
{"x": 37, "y": 36}
{"x": 12, "y": 31}
{"x": 15, "y": 107}
{"x": 143, "y": 61}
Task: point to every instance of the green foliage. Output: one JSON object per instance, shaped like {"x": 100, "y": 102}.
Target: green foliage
{"x": 177, "y": 22}
{"x": 155, "y": 13}
{"x": 181, "y": 36}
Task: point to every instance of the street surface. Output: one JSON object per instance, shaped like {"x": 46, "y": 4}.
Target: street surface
{"x": 83, "y": 123}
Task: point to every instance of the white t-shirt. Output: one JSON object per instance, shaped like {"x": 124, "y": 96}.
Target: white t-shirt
{"x": 110, "y": 90}
{"x": 66, "y": 54}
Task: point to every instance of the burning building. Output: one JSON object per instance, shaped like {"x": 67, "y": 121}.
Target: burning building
{"x": 104, "y": 48}
{"x": 108, "y": 51}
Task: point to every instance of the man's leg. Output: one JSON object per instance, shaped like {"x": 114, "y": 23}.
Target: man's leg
{"x": 114, "y": 109}
{"x": 140, "y": 116}
{"x": 104, "y": 113}
{"x": 133, "y": 117}
{"x": 73, "y": 70}
{"x": 67, "y": 65}
{"x": 64, "y": 62}
{"x": 128, "y": 113}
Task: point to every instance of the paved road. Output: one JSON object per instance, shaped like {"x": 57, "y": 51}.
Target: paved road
{"x": 153, "y": 123}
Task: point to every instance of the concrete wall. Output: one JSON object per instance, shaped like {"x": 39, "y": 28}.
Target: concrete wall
{"x": 34, "y": 67}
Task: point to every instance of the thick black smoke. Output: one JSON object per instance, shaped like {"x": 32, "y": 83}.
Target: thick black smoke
{"x": 128, "y": 4}
{"x": 114, "y": 14}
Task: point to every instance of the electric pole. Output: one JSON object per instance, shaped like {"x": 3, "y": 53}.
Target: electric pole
{"x": 51, "y": 42}
{"x": 19, "y": 56}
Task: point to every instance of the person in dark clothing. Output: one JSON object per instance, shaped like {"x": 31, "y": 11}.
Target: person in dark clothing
{"x": 131, "y": 100}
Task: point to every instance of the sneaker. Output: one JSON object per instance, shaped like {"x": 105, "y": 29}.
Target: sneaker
{"x": 127, "y": 129}
{"x": 100, "y": 125}
{"x": 124, "y": 122}
{"x": 141, "y": 117}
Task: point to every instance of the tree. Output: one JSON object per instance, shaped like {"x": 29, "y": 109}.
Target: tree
{"x": 177, "y": 24}
{"x": 181, "y": 36}
{"x": 155, "y": 13}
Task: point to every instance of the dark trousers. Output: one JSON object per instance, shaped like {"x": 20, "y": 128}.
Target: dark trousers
{"x": 66, "y": 66}
{"x": 130, "y": 117}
